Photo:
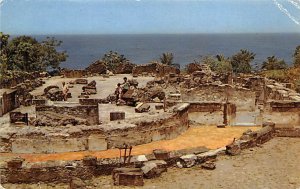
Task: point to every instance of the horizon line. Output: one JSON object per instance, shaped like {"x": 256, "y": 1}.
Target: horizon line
{"x": 212, "y": 33}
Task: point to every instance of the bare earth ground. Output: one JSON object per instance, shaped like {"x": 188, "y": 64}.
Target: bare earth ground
{"x": 275, "y": 165}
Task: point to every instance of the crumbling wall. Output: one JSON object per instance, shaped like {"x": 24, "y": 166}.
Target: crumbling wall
{"x": 88, "y": 112}
{"x": 8, "y": 101}
{"x": 212, "y": 113}
{"x": 152, "y": 129}
{"x": 288, "y": 132}
{"x": 283, "y": 113}
{"x": 19, "y": 171}
{"x": 257, "y": 84}
{"x": 244, "y": 99}
{"x": 279, "y": 91}
{"x": 82, "y": 138}
{"x": 157, "y": 69}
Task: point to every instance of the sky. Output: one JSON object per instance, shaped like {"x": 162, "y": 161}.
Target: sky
{"x": 148, "y": 16}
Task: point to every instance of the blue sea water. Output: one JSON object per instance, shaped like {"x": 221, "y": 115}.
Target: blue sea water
{"x": 140, "y": 49}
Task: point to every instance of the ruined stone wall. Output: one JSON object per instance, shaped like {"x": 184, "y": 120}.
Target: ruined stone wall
{"x": 8, "y": 102}
{"x": 18, "y": 171}
{"x": 57, "y": 171}
{"x": 163, "y": 128}
{"x": 89, "y": 112}
{"x": 95, "y": 138}
{"x": 283, "y": 113}
{"x": 74, "y": 73}
{"x": 288, "y": 132}
{"x": 212, "y": 113}
{"x": 257, "y": 84}
{"x": 280, "y": 91}
{"x": 244, "y": 99}
{"x": 156, "y": 69}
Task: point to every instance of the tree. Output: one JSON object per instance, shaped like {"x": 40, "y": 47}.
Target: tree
{"x": 241, "y": 62}
{"x": 167, "y": 58}
{"x": 3, "y": 53}
{"x": 273, "y": 63}
{"x": 297, "y": 57}
{"x": 113, "y": 59}
{"x": 25, "y": 53}
{"x": 219, "y": 64}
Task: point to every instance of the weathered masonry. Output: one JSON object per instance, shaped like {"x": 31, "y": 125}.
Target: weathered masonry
{"x": 8, "y": 100}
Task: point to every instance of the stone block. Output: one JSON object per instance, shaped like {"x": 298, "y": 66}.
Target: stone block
{"x": 188, "y": 161}
{"x": 233, "y": 149}
{"x": 221, "y": 126}
{"x": 89, "y": 160}
{"x": 161, "y": 154}
{"x": 207, "y": 156}
{"x": 271, "y": 124}
{"x": 152, "y": 169}
{"x": 209, "y": 165}
{"x": 142, "y": 107}
{"x": 159, "y": 107}
{"x": 77, "y": 183}
{"x": 128, "y": 177}
{"x": 15, "y": 163}
{"x": 117, "y": 116}
{"x": 97, "y": 142}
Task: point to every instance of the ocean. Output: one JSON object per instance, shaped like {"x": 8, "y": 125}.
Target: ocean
{"x": 140, "y": 49}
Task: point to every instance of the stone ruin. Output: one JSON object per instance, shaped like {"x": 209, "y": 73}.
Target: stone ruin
{"x": 164, "y": 109}
{"x": 155, "y": 69}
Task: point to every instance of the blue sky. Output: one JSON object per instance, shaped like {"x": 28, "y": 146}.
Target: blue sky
{"x": 148, "y": 16}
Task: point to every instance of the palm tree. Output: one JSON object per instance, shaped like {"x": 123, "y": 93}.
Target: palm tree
{"x": 241, "y": 62}
{"x": 167, "y": 58}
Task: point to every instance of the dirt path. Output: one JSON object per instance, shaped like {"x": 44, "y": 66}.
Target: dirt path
{"x": 275, "y": 165}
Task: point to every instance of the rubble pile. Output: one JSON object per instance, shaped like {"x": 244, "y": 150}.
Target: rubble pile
{"x": 90, "y": 88}
{"x": 53, "y": 93}
{"x": 100, "y": 67}
{"x": 154, "y": 69}
{"x": 97, "y": 67}
{"x": 193, "y": 67}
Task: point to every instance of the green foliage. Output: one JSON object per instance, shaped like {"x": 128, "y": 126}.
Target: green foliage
{"x": 113, "y": 59}
{"x": 26, "y": 54}
{"x": 241, "y": 62}
{"x": 167, "y": 58}
{"x": 278, "y": 75}
{"x": 273, "y": 63}
{"x": 219, "y": 64}
{"x": 297, "y": 57}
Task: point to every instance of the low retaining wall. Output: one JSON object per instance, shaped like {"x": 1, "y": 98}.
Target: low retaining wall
{"x": 163, "y": 128}
{"x": 283, "y": 113}
{"x": 96, "y": 138}
{"x": 18, "y": 171}
{"x": 288, "y": 132}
